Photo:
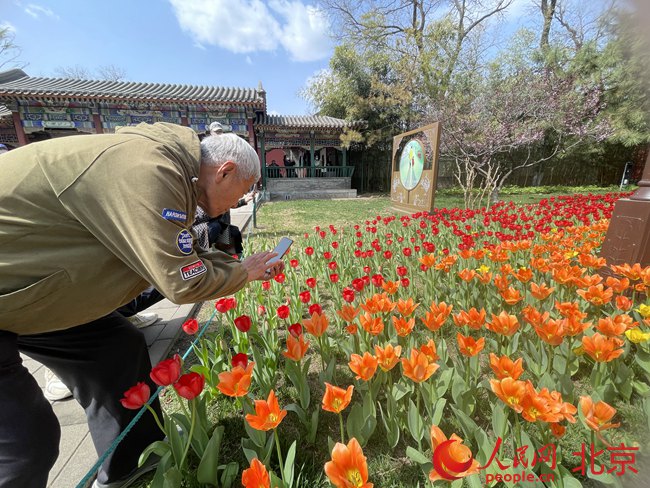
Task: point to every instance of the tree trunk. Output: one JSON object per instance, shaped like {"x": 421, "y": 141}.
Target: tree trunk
{"x": 548, "y": 10}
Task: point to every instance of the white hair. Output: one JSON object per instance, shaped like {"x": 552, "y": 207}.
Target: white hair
{"x": 217, "y": 149}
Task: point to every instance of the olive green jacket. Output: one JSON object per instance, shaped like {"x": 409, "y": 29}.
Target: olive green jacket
{"x": 88, "y": 222}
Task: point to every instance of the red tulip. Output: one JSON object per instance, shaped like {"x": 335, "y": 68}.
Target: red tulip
{"x": 309, "y": 251}
{"x": 280, "y": 277}
{"x": 334, "y": 278}
{"x": 311, "y": 282}
{"x": 305, "y": 296}
{"x": 348, "y": 295}
{"x": 190, "y": 385}
{"x": 136, "y": 396}
{"x": 266, "y": 285}
{"x": 327, "y": 255}
{"x": 283, "y": 311}
{"x": 315, "y": 308}
{"x": 295, "y": 330}
{"x": 243, "y": 323}
{"x": 240, "y": 359}
{"x": 293, "y": 263}
{"x": 191, "y": 326}
{"x": 332, "y": 265}
{"x": 166, "y": 372}
{"x": 377, "y": 280}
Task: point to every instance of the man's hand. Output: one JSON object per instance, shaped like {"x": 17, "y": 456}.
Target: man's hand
{"x": 258, "y": 267}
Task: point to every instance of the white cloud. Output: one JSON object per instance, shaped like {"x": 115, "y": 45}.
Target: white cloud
{"x": 272, "y": 112}
{"x": 249, "y": 60}
{"x": 304, "y": 30}
{"x": 36, "y": 11}
{"x": 247, "y": 26}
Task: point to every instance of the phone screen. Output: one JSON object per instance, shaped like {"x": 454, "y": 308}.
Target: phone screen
{"x": 282, "y": 248}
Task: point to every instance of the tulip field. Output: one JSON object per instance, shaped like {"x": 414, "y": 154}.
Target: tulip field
{"x": 488, "y": 347}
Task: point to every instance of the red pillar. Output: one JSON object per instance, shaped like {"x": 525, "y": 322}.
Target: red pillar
{"x": 97, "y": 120}
{"x": 251, "y": 131}
{"x": 18, "y": 127}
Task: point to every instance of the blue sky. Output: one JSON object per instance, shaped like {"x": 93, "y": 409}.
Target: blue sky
{"x": 199, "y": 42}
{"x": 208, "y": 42}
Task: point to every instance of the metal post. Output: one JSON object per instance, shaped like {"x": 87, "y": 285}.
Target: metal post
{"x": 263, "y": 158}
{"x": 311, "y": 150}
{"x": 623, "y": 178}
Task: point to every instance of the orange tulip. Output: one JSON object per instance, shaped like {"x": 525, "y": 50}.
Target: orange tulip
{"x": 618, "y": 285}
{"x": 378, "y": 303}
{"x": 406, "y": 307}
{"x": 467, "y": 275}
{"x": 418, "y": 368}
{"x": 511, "y": 296}
{"x": 403, "y": 326}
{"x": 510, "y": 391}
{"x": 533, "y": 406}
{"x": 597, "y": 295}
{"x": 557, "y": 430}
{"x": 267, "y": 414}
{"x": 460, "y": 455}
{"x": 540, "y": 292}
{"x": 569, "y": 309}
{"x": 348, "y": 313}
{"x": 472, "y": 318}
{"x": 236, "y": 383}
{"x": 388, "y": 357}
{"x": 429, "y": 349}
{"x": 348, "y": 467}
{"x": 551, "y": 331}
{"x": 504, "y": 367}
{"x": 296, "y": 348}
{"x": 428, "y": 260}
{"x": 591, "y": 261}
{"x": 623, "y": 303}
{"x": 436, "y": 318}
{"x": 503, "y": 324}
{"x": 336, "y": 399}
{"x": 597, "y": 416}
{"x": 610, "y": 328}
{"x": 633, "y": 273}
{"x": 558, "y": 409}
{"x": 540, "y": 264}
{"x": 364, "y": 366}
{"x": 484, "y": 276}
{"x": 573, "y": 326}
{"x": 602, "y": 349}
{"x": 524, "y": 275}
{"x": 256, "y": 476}
{"x": 533, "y": 316}
{"x": 565, "y": 275}
{"x": 372, "y": 325}
{"x": 468, "y": 346}
{"x": 390, "y": 287}
{"x": 501, "y": 282}
{"x": 316, "y": 325}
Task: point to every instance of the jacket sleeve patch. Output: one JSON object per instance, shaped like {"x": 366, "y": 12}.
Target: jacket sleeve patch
{"x": 171, "y": 214}
{"x": 185, "y": 242}
{"x": 193, "y": 270}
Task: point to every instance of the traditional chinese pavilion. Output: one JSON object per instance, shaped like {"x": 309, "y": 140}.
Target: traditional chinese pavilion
{"x": 299, "y": 152}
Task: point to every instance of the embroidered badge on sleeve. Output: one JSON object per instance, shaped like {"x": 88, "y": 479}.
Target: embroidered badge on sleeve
{"x": 193, "y": 270}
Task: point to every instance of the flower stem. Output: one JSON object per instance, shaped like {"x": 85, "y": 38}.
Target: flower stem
{"x": 189, "y": 437}
{"x": 418, "y": 394}
{"x": 155, "y": 417}
{"x": 277, "y": 446}
{"x": 342, "y": 431}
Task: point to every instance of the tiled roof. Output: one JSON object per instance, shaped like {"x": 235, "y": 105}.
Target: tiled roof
{"x": 305, "y": 121}
{"x": 12, "y": 85}
{"x": 4, "y": 112}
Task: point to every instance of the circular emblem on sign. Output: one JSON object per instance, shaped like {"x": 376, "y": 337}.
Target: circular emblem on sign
{"x": 411, "y": 164}
{"x": 185, "y": 242}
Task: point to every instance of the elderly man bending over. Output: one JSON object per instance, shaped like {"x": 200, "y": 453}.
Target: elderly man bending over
{"x": 86, "y": 224}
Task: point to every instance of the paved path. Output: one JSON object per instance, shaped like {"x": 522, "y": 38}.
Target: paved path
{"x": 77, "y": 452}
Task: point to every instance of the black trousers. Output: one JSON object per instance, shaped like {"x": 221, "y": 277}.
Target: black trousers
{"x": 98, "y": 361}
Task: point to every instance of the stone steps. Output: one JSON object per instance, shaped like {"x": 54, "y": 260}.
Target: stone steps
{"x": 313, "y": 194}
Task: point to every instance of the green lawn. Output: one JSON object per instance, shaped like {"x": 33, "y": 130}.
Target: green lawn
{"x": 295, "y": 217}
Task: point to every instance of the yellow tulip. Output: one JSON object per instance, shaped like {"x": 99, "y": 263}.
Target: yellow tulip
{"x": 637, "y": 336}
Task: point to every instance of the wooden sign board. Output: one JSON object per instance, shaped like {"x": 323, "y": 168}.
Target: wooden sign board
{"x": 415, "y": 169}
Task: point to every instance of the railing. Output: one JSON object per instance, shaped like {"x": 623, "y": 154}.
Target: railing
{"x": 308, "y": 172}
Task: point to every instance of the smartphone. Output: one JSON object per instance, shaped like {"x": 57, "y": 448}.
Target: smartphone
{"x": 282, "y": 248}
